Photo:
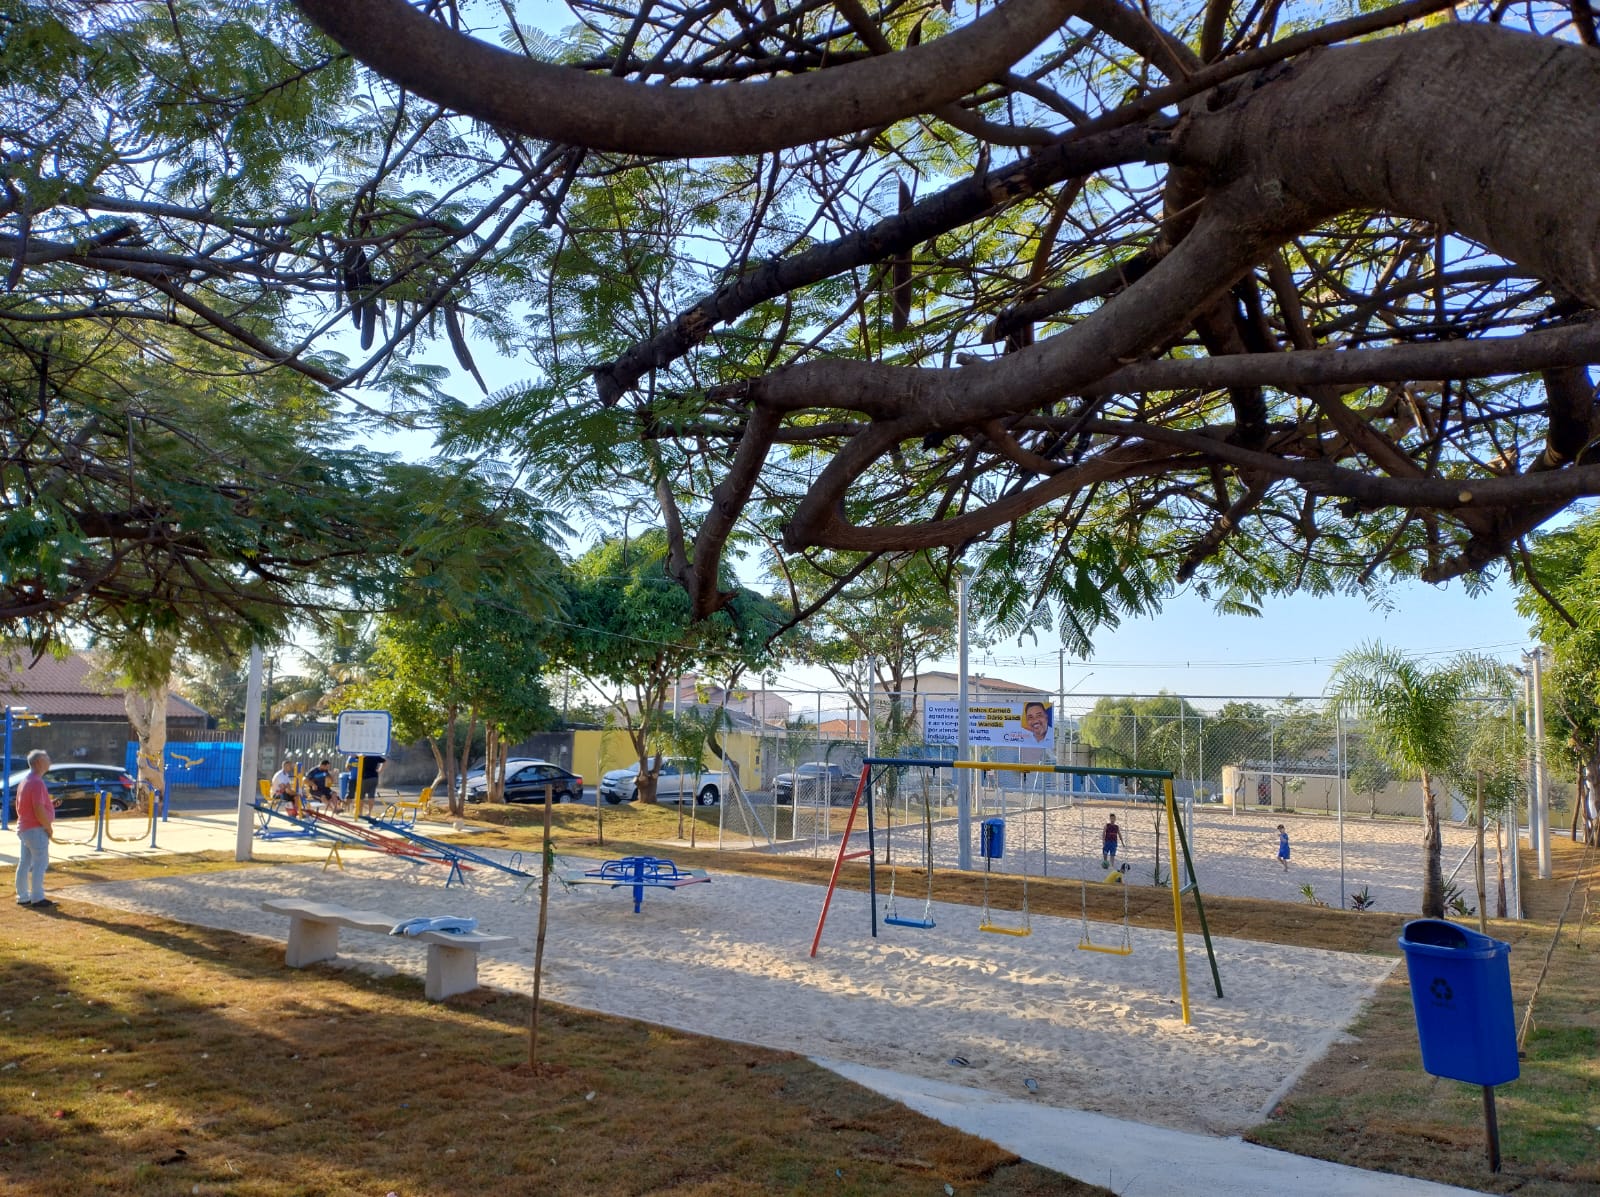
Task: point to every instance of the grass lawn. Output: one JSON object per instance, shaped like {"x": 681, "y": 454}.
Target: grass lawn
{"x": 141, "y": 1056}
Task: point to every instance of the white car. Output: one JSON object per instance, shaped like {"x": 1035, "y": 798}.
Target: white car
{"x": 678, "y": 781}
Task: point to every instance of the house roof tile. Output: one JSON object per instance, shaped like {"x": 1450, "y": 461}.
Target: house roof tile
{"x": 62, "y": 689}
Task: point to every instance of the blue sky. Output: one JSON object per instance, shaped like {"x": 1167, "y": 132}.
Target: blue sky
{"x": 1190, "y": 649}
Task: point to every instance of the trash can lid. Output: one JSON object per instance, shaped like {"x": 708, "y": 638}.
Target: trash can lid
{"x": 1439, "y": 937}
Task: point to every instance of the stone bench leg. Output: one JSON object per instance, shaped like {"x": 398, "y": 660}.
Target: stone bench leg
{"x": 450, "y": 971}
{"x": 311, "y": 940}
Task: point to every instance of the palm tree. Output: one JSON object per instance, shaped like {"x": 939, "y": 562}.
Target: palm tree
{"x": 1417, "y": 720}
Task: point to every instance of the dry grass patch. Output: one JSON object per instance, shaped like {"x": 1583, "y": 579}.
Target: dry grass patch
{"x": 140, "y": 1056}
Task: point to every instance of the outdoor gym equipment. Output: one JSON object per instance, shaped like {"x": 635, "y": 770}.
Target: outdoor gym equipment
{"x": 453, "y": 852}
{"x": 1176, "y": 839}
{"x": 100, "y": 803}
{"x": 638, "y": 873}
{"x": 338, "y": 832}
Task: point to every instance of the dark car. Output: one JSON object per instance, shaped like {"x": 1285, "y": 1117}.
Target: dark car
{"x": 817, "y": 780}
{"x": 526, "y": 781}
{"x": 73, "y": 788}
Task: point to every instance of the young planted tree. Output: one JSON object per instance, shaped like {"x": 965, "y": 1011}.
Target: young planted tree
{"x": 1417, "y": 714}
{"x": 1369, "y": 772}
{"x": 629, "y": 632}
{"x": 1493, "y": 770}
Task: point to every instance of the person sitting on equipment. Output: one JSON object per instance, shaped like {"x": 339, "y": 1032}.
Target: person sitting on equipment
{"x": 317, "y": 784}
{"x": 284, "y": 788}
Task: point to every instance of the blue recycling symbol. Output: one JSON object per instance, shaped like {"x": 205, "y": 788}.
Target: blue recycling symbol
{"x": 1441, "y": 989}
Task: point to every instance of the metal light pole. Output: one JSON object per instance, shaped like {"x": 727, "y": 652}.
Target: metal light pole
{"x": 963, "y": 734}
{"x": 249, "y": 757}
{"x": 1541, "y": 845}
{"x": 5, "y": 783}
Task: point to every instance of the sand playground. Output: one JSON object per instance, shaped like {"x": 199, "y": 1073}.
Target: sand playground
{"x": 1030, "y": 1018}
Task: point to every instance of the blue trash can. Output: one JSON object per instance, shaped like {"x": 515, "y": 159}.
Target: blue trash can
{"x": 1461, "y": 992}
{"x": 992, "y": 838}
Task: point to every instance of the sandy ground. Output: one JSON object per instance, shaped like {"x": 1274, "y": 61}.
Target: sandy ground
{"x": 1092, "y": 1031}
{"x": 1235, "y": 855}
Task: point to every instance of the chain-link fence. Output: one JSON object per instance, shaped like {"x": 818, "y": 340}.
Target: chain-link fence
{"x": 1250, "y": 757}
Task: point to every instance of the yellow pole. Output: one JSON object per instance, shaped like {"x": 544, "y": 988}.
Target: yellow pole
{"x": 1177, "y": 896}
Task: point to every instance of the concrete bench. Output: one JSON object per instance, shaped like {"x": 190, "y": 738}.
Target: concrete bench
{"x": 314, "y": 936}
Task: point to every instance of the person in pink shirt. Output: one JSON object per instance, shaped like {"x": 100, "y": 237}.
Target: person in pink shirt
{"x": 36, "y": 816}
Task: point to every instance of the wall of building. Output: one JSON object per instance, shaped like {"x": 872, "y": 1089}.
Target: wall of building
{"x": 1245, "y": 789}
{"x": 595, "y": 753}
{"x": 92, "y": 742}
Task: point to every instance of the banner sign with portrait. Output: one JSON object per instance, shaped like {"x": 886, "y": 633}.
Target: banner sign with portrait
{"x": 1028, "y": 724}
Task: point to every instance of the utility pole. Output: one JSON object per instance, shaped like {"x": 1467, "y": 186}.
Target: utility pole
{"x": 1541, "y": 782}
{"x": 249, "y": 757}
{"x": 963, "y": 734}
{"x": 1061, "y": 705}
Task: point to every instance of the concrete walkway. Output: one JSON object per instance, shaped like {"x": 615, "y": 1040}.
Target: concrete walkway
{"x": 1133, "y": 1159}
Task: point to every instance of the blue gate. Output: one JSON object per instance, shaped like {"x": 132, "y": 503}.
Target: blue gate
{"x": 216, "y": 763}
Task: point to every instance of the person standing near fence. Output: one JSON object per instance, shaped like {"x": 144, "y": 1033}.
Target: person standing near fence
{"x": 1283, "y": 847}
{"x": 36, "y": 817}
{"x": 1110, "y": 839}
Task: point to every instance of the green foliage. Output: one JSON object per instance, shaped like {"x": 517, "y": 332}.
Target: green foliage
{"x": 1162, "y": 732}
{"x": 628, "y": 630}
{"x": 893, "y": 617}
{"x": 1560, "y": 592}
{"x": 1417, "y": 717}
{"x": 1416, "y": 714}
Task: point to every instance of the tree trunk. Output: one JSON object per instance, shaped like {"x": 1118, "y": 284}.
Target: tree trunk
{"x": 494, "y": 764}
{"x": 450, "y": 763}
{"x": 147, "y": 714}
{"x": 458, "y": 789}
{"x": 546, "y": 862}
{"x": 1500, "y": 868}
{"x": 1432, "y": 869}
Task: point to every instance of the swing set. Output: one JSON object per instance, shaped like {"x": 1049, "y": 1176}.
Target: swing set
{"x": 992, "y": 848}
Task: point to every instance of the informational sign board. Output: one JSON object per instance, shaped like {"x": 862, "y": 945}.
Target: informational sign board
{"x": 1028, "y": 724}
{"x": 363, "y": 733}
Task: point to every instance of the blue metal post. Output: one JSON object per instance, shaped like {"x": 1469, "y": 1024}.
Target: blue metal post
{"x": 100, "y": 820}
{"x": 5, "y": 784}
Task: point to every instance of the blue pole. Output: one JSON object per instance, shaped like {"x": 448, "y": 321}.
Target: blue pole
{"x": 100, "y": 820}
{"x": 5, "y": 800}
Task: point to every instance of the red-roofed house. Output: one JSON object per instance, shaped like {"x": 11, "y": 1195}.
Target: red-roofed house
{"x": 85, "y": 722}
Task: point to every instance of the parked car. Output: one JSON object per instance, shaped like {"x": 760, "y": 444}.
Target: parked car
{"x": 816, "y": 779}
{"x": 526, "y": 780}
{"x": 73, "y": 788}
{"x": 678, "y": 781}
